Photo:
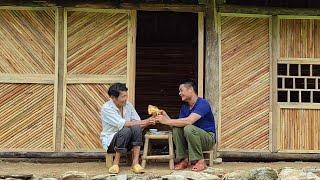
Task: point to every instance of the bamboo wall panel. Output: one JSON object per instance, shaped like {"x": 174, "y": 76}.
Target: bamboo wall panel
{"x": 299, "y": 129}
{"x": 26, "y": 117}
{"x": 83, "y": 120}
{"x": 245, "y": 83}
{"x": 27, "y": 41}
{"x": 300, "y": 38}
{"x": 97, "y": 43}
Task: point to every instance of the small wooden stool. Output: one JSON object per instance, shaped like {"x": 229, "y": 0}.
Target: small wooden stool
{"x": 212, "y": 154}
{"x": 150, "y": 136}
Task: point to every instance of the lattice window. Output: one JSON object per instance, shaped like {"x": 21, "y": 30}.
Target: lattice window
{"x": 299, "y": 83}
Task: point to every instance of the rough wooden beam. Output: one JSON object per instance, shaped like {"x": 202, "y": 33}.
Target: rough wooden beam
{"x": 212, "y": 64}
{"x": 267, "y": 10}
{"x": 146, "y": 7}
{"x": 60, "y": 55}
{"x": 274, "y": 59}
{"x": 268, "y": 156}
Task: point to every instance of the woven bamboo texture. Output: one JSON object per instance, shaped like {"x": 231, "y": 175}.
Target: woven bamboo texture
{"x": 245, "y": 83}
{"x": 300, "y": 38}
{"x": 97, "y": 43}
{"x": 27, "y": 41}
{"x": 83, "y": 121}
{"x": 26, "y": 117}
{"x": 299, "y": 129}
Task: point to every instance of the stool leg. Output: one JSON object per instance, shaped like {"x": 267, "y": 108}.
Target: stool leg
{"x": 109, "y": 160}
{"x": 211, "y": 156}
{"x": 171, "y": 161}
{"x": 145, "y": 152}
{"x": 129, "y": 158}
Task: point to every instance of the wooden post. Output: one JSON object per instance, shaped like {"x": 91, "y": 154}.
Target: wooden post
{"x": 60, "y": 56}
{"x": 131, "y": 55}
{"x": 200, "y": 53}
{"x": 171, "y": 153}
{"x": 212, "y": 62}
{"x": 275, "y": 55}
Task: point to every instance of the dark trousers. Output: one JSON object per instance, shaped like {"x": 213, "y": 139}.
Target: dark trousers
{"x": 125, "y": 139}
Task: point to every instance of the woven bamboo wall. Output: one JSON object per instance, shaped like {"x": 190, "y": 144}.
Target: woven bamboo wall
{"x": 300, "y": 38}
{"x": 299, "y": 129}
{"x": 96, "y": 49}
{"x": 245, "y": 92}
{"x": 27, "y": 70}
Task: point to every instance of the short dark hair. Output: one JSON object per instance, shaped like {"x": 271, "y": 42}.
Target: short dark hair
{"x": 114, "y": 89}
{"x": 190, "y": 83}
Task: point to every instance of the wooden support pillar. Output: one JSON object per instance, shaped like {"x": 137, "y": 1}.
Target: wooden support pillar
{"x": 60, "y": 74}
{"x": 275, "y": 55}
{"x": 212, "y": 62}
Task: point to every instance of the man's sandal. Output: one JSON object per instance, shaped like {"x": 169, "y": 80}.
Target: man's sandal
{"x": 137, "y": 169}
{"x": 181, "y": 165}
{"x": 199, "y": 166}
{"x": 114, "y": 169}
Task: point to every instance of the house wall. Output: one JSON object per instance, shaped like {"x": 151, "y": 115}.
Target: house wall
{"x": 85, "y": 51}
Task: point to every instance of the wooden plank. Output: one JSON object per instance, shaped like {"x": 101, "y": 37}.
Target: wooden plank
{"x": 227, "y": 8}
{"x": 243, "y": 150}
{"x": 60, "y": 77}
{"x": 200, "y": 53}
{"x": 91, "y": 78}
{"x": 300, "y": 151}
{"x": 269, "y": 156}
{"x": 245, "y": 15}
{"x": 297, "y": 17}
{"x": 26, "y": 8}
{"x": 29, "y": 154}
{"x": 292, "y": 105}
{"x": 131, "y": 55}
{"x": 274, "y": 58}
{"x": 98, "y": 10}
{"x": 220, "y": 82}
{"x": 64, "y": 75}
{"x": 159, "y": 157}
{"x": 147, "y": 7}
{"x": 55, "y": 113}
{"x": 28, "y": 78}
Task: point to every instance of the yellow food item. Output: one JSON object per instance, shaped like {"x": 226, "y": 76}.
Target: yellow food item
{"x": 153, "y": 110}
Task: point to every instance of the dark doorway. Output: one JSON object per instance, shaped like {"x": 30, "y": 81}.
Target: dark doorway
{"x": 166, "y": 55}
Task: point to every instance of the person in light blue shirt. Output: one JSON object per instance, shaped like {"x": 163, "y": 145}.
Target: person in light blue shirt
{"x": 194, "y": 130}
{"x": 122, "y": 127}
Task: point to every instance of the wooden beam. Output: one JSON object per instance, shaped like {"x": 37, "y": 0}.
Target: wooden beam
{"x": 27, "y": 78}
{"x": 92, "y": 79}
{"x": 131, "y": 55}
{"x": 233, "y": 156}
{"x": 146, "y": 7}
{"x": 268, "y": 156}
{"x": 212, "y": 61}
{"x": 224, "y": 8}
{"x": 275, "y": 54}
{"x": 63, "y": 63}
{"x": 60, "y": 76}
{"x": 200, "y": 53}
